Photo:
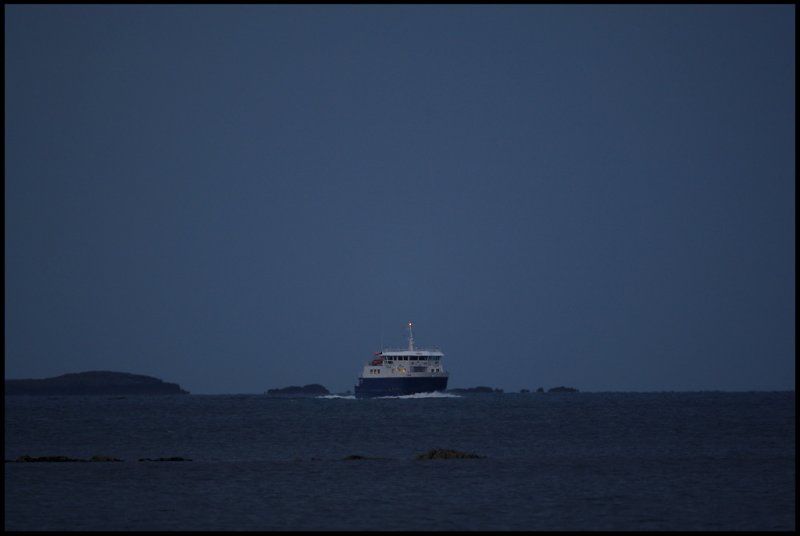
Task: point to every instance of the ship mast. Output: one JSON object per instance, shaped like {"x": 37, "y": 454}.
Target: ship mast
{"x": 410, "y": 335}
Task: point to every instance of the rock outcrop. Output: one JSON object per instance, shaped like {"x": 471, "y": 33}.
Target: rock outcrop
{"x": 562, "y": 389}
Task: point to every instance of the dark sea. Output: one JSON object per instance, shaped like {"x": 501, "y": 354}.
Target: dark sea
{"x": 566, "y": 461}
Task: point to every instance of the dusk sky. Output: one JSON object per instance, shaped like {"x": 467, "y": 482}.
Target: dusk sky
{"x": 236, "y": 198}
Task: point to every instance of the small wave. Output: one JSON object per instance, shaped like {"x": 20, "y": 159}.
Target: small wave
{"x": 345, "y": 397}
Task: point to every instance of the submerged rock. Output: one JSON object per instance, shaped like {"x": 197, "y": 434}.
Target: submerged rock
{"x": 101, "y": 458}
{"x": 95, "y": 458}
{"x": 446, "y": 454}
{"x": 27, "y": 458}
{"x": 360, "y": 457}
{"x": 172, "y": 459}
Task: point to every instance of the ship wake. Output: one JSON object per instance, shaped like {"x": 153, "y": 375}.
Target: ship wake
{"x": 434, "y": 394}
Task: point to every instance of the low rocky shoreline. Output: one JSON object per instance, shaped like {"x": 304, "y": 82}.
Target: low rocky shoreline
{"x": 96, "y": 382}
{"x": 312, "y": 389}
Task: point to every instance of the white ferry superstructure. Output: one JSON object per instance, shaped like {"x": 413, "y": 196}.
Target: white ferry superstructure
{"x": 403, "y": 371}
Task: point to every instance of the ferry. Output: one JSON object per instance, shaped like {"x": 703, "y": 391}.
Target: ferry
{"x": 402, "y": 371}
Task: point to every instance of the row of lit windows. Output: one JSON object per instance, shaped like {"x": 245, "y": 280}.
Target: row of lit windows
{"x": 412, "y": 358}
{"x": 401, "y": 369}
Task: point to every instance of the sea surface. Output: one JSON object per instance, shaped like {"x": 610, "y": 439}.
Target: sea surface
{"x": 566, "y": 461}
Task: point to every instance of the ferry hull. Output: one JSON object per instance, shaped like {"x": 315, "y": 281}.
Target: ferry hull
{"x": 373, "y": 387}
